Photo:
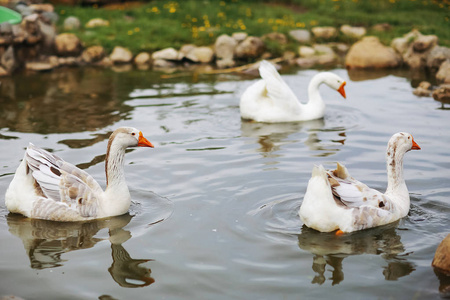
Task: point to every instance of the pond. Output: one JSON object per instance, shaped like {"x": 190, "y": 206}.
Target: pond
{"x": 215, "y": 203}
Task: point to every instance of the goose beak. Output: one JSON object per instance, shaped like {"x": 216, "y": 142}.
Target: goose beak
{"x": 415, "y": 146}
{"x": 341, "y": 89}
{"x": 143, "y": 142}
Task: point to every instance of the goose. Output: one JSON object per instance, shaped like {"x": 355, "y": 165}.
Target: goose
{"x": 270, "y": 99}
{"x": 47, "y": 187}
{"x": 336, "y": 201}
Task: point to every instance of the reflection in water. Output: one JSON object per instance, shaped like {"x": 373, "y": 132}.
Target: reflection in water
{"x": 329, "y": 249}
{"x": 444, "y": 283}
{"x": 61, "y": 101}
{"x": 45, "y": 242}
{"x": 272, "y": 135}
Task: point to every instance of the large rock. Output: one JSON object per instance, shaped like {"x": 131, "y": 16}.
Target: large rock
{"x": 67, "y": 44}
{"x": 201, "y": 54}
{"x": 415, "y": 48}
{"x": 224, "y": 50}
{"x": 401, "y": 44}
{"x": 370, "y": 53}
{"x": 437, "y": 56}
{"x": 443, "y": 75}
{"x": 251, "y": 47}
{"x": 93, "y": 54}
{"x": 324, "y": 32}
{"x": 166, "y": 54}
{"x": 184, "y": 50}
{"x": 441, "y": 259}
{"x": 354, "y": 32}
{"x": 300, "y": 35}
{"x": 121, "y": 55}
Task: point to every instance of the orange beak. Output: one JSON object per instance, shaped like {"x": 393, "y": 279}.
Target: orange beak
{"x": 143, "y": 142}
{"x": 415, "y": 146}
{"x": 341, "y": 89}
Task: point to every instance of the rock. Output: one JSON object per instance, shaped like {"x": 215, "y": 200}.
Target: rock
{"x": 49, "y": 17}
{"x": 276, "y": 37}
{"x": 3, "y": 72}
{"x": 443, "y": 75}
{"x": 325, "y": 32}
{"x": 93, "y": 54}
{"x": 44, "y": 7}
{"x": 423, "y": 90}
{"x": 31, "y": 27}
{"x": 401, "y": 44}
{"x": 39, "y": 66}
{"x": 441, "y": 260}
{"x": 370, "y": 53}
{"x": 424, "y": 42}
{"x": 224, "y": 50}
{"x": 184, "y": 50}
{"x": 239, "y": 36}
{"x": 327, "y": 60}
{"x": 437, "y": 56}
{"x": 105, "y": 62}
{"x": 382, "y": 27}
{"x": 354, "y": 32}
{"x": 442, "y": 94}
{"x": 48, "y": 33}
{"x": 68, "y": 61}
{"x": 165, "y": 54}
{"x": 67, "y": 44}
{"x": 300, "y": 35}
{"x": 340, "y": 48}
{"x": 72, "y": 23}
{"x": 323, "y": 49}
{"x": 143, "y": 58}
{"x": 121, "y": 55}
{"x": 201, "y": 54}
{"x": 251, "y": 47}
{"x": 8, "y": 60}
{"x": 306, "y": 51}
{"x": 306, "y": 62}
{"x": 162, "y": 63}
{"x": 97, "y": 22}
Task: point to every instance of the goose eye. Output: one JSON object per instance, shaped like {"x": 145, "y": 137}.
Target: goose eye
{"x": 409, "y": 137}
{"x": 133, "y": 133}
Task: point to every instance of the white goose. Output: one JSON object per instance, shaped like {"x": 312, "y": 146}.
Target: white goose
{"x": 271, "y": 100}
{"x": 46, "y": 187}
{"x": 336, "y": 201}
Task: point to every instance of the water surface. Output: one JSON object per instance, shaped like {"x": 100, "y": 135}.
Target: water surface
{"x": 215, "y": 203}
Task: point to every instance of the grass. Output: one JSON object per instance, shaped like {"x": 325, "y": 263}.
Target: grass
{"x": 158, "y": 24}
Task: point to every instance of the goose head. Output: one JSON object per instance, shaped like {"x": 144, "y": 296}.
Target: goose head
{"x": 335, "y": 82}
{"x": 129, "y": 137}
{"x": 401, "y": 142}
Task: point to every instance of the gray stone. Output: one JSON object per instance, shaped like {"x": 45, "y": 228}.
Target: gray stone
{"x": 72, "y": 23}
{"x": 323, "y": 49}
{"x": 239, "y": 36}
{"x": 354, "y": 32}
{"x": 8, "y": 60}
{"x": 201, "y": 54}
{"x": 306, "y": 62}
{"x": 300, "y": 35}
{"x": 184, "y": 50}
{"x": 306, "y": 51}
{"x": 424, "y": 43}
{"x": 39, "y": 66}
{"x": 48, "y": 33}
{"x": 142, "y": 58}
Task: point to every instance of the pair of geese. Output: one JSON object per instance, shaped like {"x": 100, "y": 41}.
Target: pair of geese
{"x": 47, "y": 187}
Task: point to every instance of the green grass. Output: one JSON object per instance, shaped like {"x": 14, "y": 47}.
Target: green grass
{"x": 159, "y": 24}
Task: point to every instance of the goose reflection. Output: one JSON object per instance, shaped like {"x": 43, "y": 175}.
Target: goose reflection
{"x": 272, "y": 135}
{"x": 45, "y": 242}
{"x": 329, "y": 249}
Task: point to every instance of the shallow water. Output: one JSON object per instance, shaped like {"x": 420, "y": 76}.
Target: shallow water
{"x": 215, "y": 203}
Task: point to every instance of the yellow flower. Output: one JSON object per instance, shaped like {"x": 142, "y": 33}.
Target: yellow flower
{"x": 172, "y": 10}
{"x": 222, "y": 3}
{"x": 313, "y": 23}
{"x": 137, "y": 29}
{"x": 194, "y": 20}
{"x": 130, "y": 32}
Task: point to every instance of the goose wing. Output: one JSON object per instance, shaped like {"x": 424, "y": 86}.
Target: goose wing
{"x": 353, "y": 193}
{"x": 63, "y": 182}
{"x": 276, "y": 87}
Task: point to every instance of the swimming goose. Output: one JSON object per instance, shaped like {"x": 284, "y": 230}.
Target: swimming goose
{"x": 46, "y": 187}
{"x": 271, "y": 100}
{"x": 336, "y": 201}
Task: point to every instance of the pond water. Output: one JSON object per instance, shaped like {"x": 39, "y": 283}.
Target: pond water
{"x": 215, "y": 203}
